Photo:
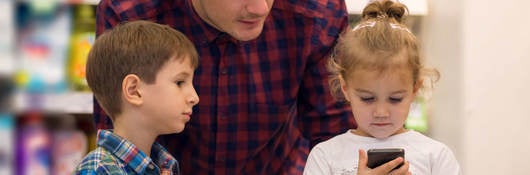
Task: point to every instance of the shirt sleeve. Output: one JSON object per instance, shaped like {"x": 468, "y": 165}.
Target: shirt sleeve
{"x": 446, "y": 163}
{"x": 321, "y": 116}
{"x": 317, "y": 164}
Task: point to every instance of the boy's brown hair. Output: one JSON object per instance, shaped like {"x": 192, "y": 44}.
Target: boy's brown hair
{"x": 137, "y": 47}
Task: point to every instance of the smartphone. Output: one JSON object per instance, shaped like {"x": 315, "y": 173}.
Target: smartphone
{"x": 377, "y": 157}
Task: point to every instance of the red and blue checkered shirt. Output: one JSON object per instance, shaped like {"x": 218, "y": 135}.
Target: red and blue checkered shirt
{"x": 115, "y": 155}
{"x": 264, "y": 102}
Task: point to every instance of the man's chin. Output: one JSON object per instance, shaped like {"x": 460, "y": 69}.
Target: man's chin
{"x": 248, "y": 35}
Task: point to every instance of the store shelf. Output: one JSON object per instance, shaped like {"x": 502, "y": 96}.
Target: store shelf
{"x": 70, "y": 102}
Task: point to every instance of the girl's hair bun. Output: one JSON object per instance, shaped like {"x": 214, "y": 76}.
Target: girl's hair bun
{"x": 385, "y": 9}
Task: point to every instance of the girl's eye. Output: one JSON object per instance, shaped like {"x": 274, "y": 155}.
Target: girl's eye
{"x": 367, "y": 99}
{"x": 395, "y": 100}
{"x": 179, "y": 83}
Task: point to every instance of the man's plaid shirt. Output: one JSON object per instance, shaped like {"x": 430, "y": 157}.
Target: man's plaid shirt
{"x": 264, "y": 102}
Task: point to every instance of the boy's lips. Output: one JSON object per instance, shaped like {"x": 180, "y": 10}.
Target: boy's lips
{"x": 187, "y": 116}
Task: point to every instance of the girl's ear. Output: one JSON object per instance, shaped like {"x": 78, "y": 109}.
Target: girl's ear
{"x": 344, "y": 88}
{"x": 417, "y": 85}
{"x": 131, "y": 89}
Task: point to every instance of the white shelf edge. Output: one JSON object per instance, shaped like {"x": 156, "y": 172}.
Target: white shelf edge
{"x": 67, "y": 103}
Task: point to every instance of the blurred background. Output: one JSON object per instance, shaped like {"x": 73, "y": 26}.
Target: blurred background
{"x": 45, "y": 104}
{"x": 479, "y": 108}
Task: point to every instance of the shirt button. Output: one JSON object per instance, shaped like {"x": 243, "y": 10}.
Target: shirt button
{"x": 150, "y": 166}
{"x": 220, "y": 159}
{"x": 224, "y": 71}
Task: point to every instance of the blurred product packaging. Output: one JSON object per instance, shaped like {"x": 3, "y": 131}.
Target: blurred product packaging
{"x": 6, "y": 37}
{"x": 6, "y": 90}
{"x": 42, "y": 43}
{"x": 81, "y": 40}
{"x": 7, "y": 127}
{"x": 69, "y": 146}
{"x": 33, "y": 146}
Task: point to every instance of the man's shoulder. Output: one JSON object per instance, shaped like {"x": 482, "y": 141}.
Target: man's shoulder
{"x": 311, "y": 8}
{"x": 140, "y": 8}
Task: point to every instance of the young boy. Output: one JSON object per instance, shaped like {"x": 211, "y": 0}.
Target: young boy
{"x": 141, "y": 73}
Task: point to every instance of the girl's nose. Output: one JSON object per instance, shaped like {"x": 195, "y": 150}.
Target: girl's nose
{"x": 381, "y": 110}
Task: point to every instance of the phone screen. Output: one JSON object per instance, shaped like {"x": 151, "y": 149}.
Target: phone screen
{"x": 377, "y": 157}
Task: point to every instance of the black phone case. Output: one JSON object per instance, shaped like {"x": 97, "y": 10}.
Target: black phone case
{"x": 377, "y": 157}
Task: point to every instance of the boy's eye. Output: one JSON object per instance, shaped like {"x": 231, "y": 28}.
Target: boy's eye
{"x": 367, "y": 99}
{"x": 395, "y": 100}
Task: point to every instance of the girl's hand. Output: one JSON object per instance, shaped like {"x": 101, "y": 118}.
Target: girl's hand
{"x": 383, "y": 169}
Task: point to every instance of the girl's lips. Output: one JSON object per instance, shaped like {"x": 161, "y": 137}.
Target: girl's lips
{"x": 380, "y": 124}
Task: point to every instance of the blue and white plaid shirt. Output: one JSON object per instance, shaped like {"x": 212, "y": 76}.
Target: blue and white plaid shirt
{"x": 115, "y": 155}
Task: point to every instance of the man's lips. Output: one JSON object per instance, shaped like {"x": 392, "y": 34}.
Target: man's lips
{"x": 250, "y": 21}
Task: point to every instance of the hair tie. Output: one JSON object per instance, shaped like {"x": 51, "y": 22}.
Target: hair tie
{"x": 363, "y": 25}
{"x": 397, "y": 26}
{"x": 372, "y": 24}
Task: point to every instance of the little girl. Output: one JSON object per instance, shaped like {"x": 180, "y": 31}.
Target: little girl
{"x": 378, "y": 70}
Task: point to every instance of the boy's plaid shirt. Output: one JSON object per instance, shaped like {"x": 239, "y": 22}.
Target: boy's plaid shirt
{"x": 115, "y": 155}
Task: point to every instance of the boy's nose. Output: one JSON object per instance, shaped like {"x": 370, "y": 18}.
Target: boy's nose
{"x": 194, "y": 98}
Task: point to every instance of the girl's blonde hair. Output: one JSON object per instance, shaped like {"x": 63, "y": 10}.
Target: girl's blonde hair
{"x": 379, "y": 36}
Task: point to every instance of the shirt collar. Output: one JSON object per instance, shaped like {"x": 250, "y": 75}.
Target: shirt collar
{"x": 210, "y": 34}
{"x": 134, "y": 157}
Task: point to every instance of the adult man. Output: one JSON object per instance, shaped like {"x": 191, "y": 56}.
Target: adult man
{"x": 262, "y": 80}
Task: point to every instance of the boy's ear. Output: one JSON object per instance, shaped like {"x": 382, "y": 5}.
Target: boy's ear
{"x": 131, "y": 89}
{"x": 344, "y": 88}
